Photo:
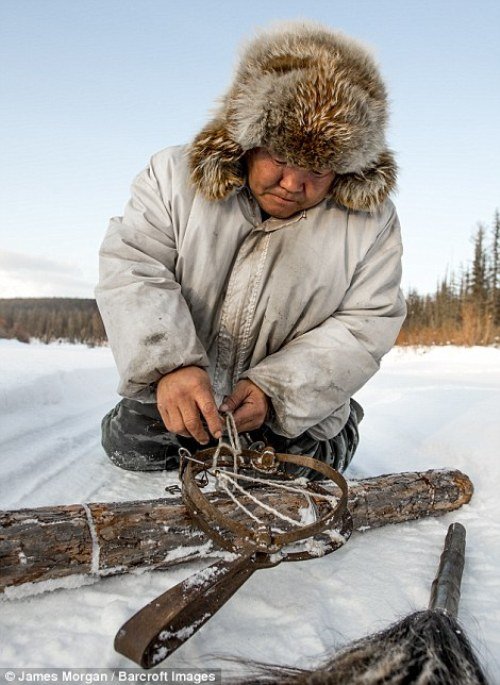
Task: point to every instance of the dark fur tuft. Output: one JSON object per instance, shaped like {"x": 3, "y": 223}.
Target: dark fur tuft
{"x": 428, "y": 648}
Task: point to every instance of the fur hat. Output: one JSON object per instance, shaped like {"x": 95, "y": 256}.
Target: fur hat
{"x": 316, "y": 99}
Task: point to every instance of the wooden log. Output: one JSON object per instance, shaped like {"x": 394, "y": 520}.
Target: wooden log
{"x": 61, "y": 546}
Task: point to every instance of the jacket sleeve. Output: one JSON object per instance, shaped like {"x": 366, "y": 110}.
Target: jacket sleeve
{"x": 147, "y": 320}
{"x": 311, "y": 379}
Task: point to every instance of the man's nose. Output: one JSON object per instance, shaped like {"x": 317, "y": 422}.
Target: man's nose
{"x": 292, "y": 180}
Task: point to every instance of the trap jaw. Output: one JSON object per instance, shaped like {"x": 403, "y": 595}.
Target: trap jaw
{"x": 231, "y": 533}
{"x": 162, "y": 626}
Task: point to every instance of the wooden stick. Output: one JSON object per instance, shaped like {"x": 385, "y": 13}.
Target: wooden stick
{"x": 445, "y": 593}
{"x": 99, "y": 539}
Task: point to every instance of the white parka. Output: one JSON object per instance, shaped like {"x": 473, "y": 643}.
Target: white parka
{"x": 304, "y": 307}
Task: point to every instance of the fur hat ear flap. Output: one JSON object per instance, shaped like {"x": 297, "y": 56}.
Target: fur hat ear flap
{"x": 216, "y": 162}
{"x": 365, "y": 190}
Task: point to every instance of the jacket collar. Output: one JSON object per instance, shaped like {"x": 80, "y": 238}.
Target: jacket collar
{"x": 251, "y": 212}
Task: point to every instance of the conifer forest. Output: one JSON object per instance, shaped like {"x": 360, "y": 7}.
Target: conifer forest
{"x": 51, "y": 319}
{"x": 465, "y": 307}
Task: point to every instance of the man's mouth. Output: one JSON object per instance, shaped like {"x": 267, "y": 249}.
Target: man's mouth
{"x": 284, "y": 199}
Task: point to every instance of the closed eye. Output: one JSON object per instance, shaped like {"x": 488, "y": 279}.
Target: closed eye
{"x": 320, "y": 173}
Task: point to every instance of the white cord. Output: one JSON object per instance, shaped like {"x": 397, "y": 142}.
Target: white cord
{"x": 239, "y": 504}
{"x": 233, "y": 446}
{"x": 271, "y": 510}
{"x": 279, "y": 484}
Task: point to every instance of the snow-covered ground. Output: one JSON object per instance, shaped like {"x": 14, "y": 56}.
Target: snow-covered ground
{"x": 425, "y": 409}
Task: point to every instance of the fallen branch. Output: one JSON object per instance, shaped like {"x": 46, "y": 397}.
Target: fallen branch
{"x": 67, "y": 545}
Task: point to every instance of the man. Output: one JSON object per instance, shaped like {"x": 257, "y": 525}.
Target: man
{"x": 257, "y": 270}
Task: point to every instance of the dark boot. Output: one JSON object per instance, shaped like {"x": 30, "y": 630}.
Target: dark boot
{"x": 134, "y": 437}
{"x": 337, "y": 452}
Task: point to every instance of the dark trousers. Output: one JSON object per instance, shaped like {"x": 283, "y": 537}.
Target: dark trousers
{"x": 135, "y": 438}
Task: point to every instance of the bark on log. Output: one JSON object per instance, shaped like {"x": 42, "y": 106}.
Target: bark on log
{"x": 93, "y": 540}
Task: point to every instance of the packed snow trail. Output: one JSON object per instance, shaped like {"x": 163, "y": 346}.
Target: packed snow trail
{"x": 425, "y": 409}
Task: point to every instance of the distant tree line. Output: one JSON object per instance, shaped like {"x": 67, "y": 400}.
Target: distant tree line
{"x": 465, "y": 309}
{"x": 50, "y": 319}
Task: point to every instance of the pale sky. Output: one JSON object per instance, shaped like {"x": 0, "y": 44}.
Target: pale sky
{"x": 91, "y": 89}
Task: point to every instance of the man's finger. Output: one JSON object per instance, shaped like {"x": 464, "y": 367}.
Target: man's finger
{"x": 236, "y": 398}
{"x": 167, "y": 417}
{"x": 247, "y": 418}
{"x": 173, "y": 421}
{"x": 211, "y": 415}
{"x": 192, "y": 422}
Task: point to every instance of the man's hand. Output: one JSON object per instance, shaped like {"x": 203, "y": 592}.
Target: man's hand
{"x": 183, "y": 397}
{"x": 249, "y": 405}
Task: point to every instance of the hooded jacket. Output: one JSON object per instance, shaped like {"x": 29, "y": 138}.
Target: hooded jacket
{"x": 304, "y": 307}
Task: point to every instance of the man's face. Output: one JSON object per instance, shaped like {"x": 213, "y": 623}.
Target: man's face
{"x": 283, "y": 190}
